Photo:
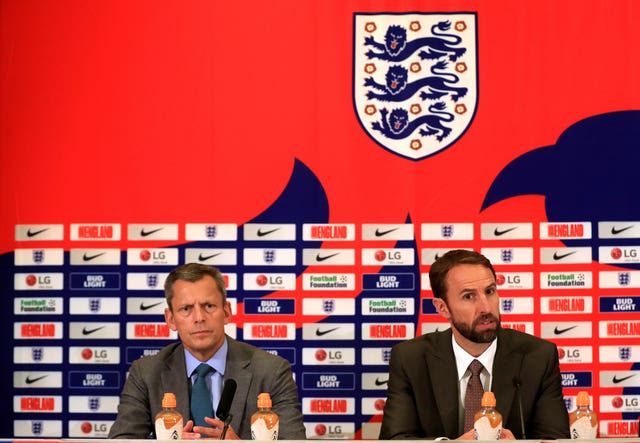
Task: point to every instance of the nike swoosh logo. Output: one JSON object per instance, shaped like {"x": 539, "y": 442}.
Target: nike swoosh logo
{"x": 383, "y": 233}
{"x": 86, "y": 257}
{"x": 615, "y": 231}
{"x": 30, "y": 380}
{"x": 557, "y": 331}
{"x": 620, "y": 380}
{"x": 379, "y": 382}
{"x": 86, "y": 331}
{"x": 207, "y": 257}
{"x": 320, "y": 333}
{"x": 498, "y": 233}
{"x": 34, "y": 233}
{"x": 325, "y": 257}
{"x": 262, "y": 233}
{"x": 144, "y": 233}
{"x": 144, "y": 307}
{"x": 557, "y": 256}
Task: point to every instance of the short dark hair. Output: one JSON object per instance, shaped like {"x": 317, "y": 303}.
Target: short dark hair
{"x": 193, "y": 272}
{"x": 441, "y": 267}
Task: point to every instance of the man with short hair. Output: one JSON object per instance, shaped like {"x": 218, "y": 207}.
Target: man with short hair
{"x": 429, "y": 375}
{"x": 197, "y": 308}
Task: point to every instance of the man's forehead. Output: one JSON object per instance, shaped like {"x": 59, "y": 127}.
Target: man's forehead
{"x": 470, "y": 276}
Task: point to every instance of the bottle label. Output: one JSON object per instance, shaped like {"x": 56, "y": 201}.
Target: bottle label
{"x": 173, "y": 433}
{"x": 581, "y": 428}
{"x": 484, "y": 431}
{"x": 260, "y": 431}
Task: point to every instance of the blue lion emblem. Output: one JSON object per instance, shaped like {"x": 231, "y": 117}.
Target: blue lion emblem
{"x": 396, "y": 47}
{"x": 398, "y": 125}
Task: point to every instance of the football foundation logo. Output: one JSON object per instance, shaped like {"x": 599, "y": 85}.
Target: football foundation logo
{"x": 415, "y": 79}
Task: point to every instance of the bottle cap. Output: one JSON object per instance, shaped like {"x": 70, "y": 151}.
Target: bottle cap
{"x": 264, "y": 400}
{"x": 583, "y": 399}
{"x": 169, "y": 400}
{"x": 488, "y": 399}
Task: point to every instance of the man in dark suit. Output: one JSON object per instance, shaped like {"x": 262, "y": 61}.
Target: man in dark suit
{"x": 428, "y": 375}
{"x": 198, "y": 310}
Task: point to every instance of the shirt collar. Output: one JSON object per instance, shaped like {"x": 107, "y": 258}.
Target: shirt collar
{"x": 217, "y": 362}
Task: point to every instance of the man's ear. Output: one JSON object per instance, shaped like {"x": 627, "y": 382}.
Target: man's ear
{"x": 441, "y": 307}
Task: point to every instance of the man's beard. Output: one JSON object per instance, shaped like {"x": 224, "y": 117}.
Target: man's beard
{"x": 470, "y": 333}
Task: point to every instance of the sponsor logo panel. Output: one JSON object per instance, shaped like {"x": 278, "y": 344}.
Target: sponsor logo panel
{"x": 94, "y": 305}
{"x": 619, "y": 279}
{"x": 575, "y": 354}
{"x": 388, "y": 282}
{"x": 330, "y": 430}
{"x": 375, "y": 356}
{"x": 38, "y": 281}
{"x": 559, "y": 256}
{"x": 269, "y": 331}
{"x": 328, "y": 282}
{"x": 328, "y": 306}
{"x": 566, "y": 280}
{"x": 37, "y": 428}
{"x": 566, "y": 305}
{"x": 211, "y": 232}
{"x": 614, "y": 379}
{"x": 269, "y": 256}
{"x": 372, "y": 405}
{"x": 137, "y": 281}
{"x": 167, "y": 231}
{"x": 328, "y": 331}
{"x": 372, "y": 381}
{"x": 550, "y": 231}
{"x": 618, "y": 428}
{"x": 95, "y": 231}
{"x": 618, "y": 254}
{"x": 92, "y": 380}
{"x": 94, "y": 257}
{"x": 503, "y": 231}
{"x": 328, "y": 406}
{"x": 37, "y": 354}
{"x": 514, "y": 280}
{"x": 135, "y": 352}
{"x": 152, "y": 256}
{"x": 44, "y": 330}
{"x": 387, "y": 331}
{"x": 446, "y": 231}
{"x": 85, "y": 281}
{"x": 578, "y": 379}
{"x": 38, "y": 257}
{"x": 269, "y": 306}
{"x": 146, "y": 305}
{"x": 620, "y": 304}
{"x": 578, "y": 329}
{"x": 370, "y": 430}
{"x": 509, "y": 256}
{"x": 387, "y": 232}
{"x": 429, "y": 255}
{"x": 620, "y": 403}
{"x": 269, "y": 282}
{"x": 516, "y": 305}
{"x": 388, "y": 257}
{"x": 388, "y": 306}
{"x": 37, "y": 379}
{"x": 150, "y": 331}
{"x": 38, "y": 305}
{"x": 94, "y": 355}
{"x": 329, "y": 231}
{"x": 85, "y": 330}
{"x": 104, "y": 404}
{"x": 89, "y": 428}
{"x": 619, "y": 354}
{"x": 339, "y": 381}
{"x": 37, "y": 403}
{"x": 621, "y": 229}
{"x": 286, "y": 353}
{"x": 217, "y": 257}
{"x": 269, "y": 232}
{"x": 611, "y": 329}
{"x": 328, "y": 356}
{"x": 328, "y": 257}
{"x": 39, "y": 232}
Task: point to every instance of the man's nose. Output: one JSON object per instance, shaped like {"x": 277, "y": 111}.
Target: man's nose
{"x": 198, "y": 313}
{"x": 483, "y": 303}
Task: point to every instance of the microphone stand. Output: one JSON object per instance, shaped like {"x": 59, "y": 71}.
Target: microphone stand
{"x": 227, "y": 421}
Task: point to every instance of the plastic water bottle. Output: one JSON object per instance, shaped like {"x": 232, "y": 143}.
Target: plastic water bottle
{"x": 264, "y": 422}
{"x": 169, "y": 420}
{"x": 583, "y": 421}
{"x": 488, "y": 421}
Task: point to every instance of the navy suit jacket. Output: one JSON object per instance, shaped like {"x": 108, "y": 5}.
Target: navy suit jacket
{"x": 423, "y": 397}
{"x": 253, "y": 369}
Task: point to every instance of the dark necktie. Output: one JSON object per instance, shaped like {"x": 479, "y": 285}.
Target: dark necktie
{"x": 473, "y": 398}
{"x": 201, "y": 396}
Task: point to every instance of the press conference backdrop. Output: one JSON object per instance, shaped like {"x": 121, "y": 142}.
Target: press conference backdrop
{"x": 322, "y": 155}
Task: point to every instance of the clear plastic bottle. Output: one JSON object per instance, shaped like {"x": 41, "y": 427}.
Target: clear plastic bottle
{"x": 169, "y": 420}
{"x": 264, "y": 423}
{"x": 583, "y": 421}
{"x": 488, "y": 421}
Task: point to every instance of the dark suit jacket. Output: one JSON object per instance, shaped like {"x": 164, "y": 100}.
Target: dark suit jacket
{"x": 254, "y": 370}
{"x": 422, "y": 399}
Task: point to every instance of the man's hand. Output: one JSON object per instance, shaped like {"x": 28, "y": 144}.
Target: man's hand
{"x": 191, "y": 432}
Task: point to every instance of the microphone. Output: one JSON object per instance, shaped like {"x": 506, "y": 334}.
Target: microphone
{"x": 518, "y": 383}
{"x": 224, "y": 406}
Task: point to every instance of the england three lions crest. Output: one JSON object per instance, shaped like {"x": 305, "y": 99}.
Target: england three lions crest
{"x": 415, "y": 81}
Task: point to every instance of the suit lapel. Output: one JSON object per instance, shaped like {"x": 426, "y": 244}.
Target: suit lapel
{"x": 506, "y": 366}
{"x": 237, "y": 364}
{"x": 444, "y": 376}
